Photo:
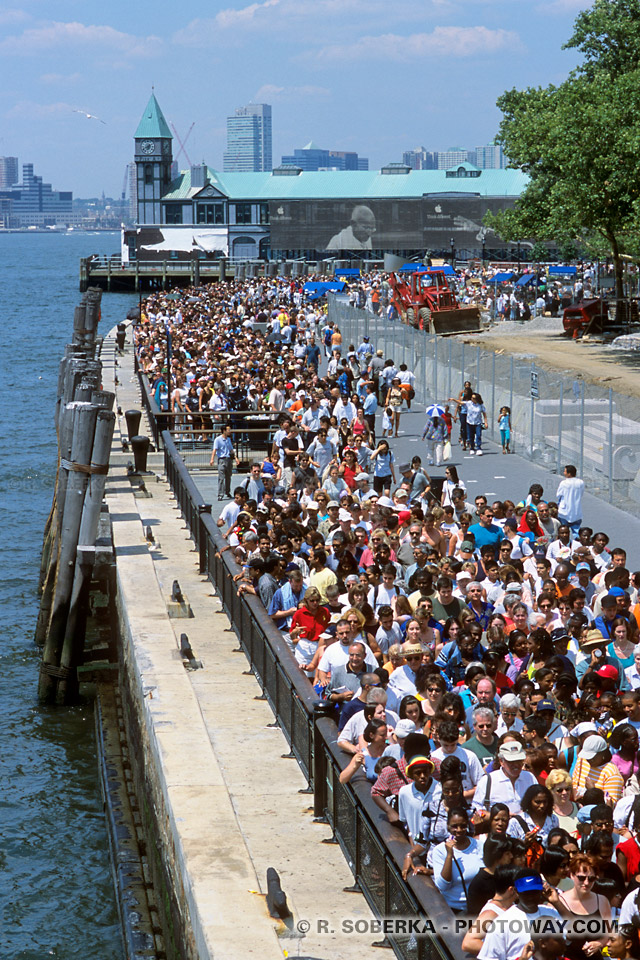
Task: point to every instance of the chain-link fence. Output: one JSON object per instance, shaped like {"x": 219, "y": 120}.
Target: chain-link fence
{"x": 554, "y": 420}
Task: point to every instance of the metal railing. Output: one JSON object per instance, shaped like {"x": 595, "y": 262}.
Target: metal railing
{"x": 374, "y": 849}
{"x": 555, "y": 418}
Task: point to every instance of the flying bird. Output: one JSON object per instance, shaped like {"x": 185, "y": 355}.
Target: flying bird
{"x": 89, "y": 116}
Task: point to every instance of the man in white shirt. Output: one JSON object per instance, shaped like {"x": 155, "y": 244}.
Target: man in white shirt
{"x": 337, "y": 654}
{"x": 511, "y": 931}
{"x": 506, "y": 785}
{"x": 471, "y": 767}
{"x": 403, "y": 679}
{"x": 569, "y": 496}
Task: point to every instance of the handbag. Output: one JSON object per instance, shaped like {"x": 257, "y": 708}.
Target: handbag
{"x": 446, "y": 452}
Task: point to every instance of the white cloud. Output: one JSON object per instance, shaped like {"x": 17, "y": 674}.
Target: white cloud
{"x": 13, "y": 16}
{"x": 270, "y": 92}
{"x": 442, "y": 42}
{"x": 38, "y": 111}
{"x": 57, "y": 35}
{"x": 54, "y": 78}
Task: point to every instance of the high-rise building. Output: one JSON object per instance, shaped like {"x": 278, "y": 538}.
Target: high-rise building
{"x": 313, "y": 157}
{"x": 451, "y": 157}
{"x": 249, "y": 140}
{"x": 35, "y": 203}
{"x": 8, "y": 171}
{"x": 132, "y": 182}
{"x": 490, "y": 157}
{"x": 420, "y": 159}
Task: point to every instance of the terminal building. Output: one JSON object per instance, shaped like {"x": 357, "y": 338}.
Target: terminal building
{"x": 291, "y": 213}
{"x": 33, "y": 203}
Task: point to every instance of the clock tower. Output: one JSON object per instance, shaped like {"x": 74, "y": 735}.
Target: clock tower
{"x": 153, "y": 156}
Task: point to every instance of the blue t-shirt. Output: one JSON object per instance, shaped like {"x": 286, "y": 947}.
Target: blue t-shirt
{"x": 491, "y": 535}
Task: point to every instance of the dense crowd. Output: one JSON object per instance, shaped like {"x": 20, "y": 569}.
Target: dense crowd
{"x": 482, "y": 659}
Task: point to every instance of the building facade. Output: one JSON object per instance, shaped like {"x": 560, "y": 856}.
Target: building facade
{"x": 313, "y": 158}
{"x": 8, "y": 171}
{"x": 421, "y": 159}
{"x": 33, "y": 203}
{"x": 249, "y": 140}
{"x": 291, "y": 213}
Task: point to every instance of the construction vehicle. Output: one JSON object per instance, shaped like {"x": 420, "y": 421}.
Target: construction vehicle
{"x": 588, "y": 316}
{"x": 425, "y": 300}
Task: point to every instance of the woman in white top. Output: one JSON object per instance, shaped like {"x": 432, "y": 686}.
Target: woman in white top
{"x": 456, "y": 861}
{"x": 451, "y": 482}
{"x": 510, "y": 719}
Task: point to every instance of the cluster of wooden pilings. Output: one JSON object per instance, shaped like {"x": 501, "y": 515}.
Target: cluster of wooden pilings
{"x": 84, "y": 424}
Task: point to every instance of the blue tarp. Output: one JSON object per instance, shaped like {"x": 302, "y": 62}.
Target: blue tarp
{"x": 562, "y": 271}
{"x": 347, "y": 272}
{"x": 525, "y": 279}
{"x": 316, "y": 290}
{"x": 447, "y": 269}
{"x": 501, "y": 277}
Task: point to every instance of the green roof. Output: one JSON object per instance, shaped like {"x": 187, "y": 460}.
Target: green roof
{"x": 153, "y": 123}
{"x": 351, "y": 184}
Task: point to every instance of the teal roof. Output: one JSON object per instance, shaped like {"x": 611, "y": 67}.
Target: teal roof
{"x": 153, "y": 123}
{"x": 351, "y": 184}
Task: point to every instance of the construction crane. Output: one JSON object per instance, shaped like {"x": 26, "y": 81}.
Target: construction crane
{"x": 182, "y": 142}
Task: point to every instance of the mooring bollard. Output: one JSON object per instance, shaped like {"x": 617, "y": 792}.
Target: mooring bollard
{"x": 140, "y": 447}
{"x": 121, "y": 335}
{"x": 133, "y": 418}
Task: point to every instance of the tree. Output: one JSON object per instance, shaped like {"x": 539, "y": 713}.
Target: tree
{"x": 580, "y": 145}
{"x": 608, "y": 34}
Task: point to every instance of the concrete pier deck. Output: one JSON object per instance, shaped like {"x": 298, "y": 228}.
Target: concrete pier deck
{"x": 226, "y": 801}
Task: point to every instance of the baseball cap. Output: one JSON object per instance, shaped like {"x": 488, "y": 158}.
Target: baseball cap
{"x": 401, "y": 494}
{"x": 546, "y": 705}
{"x": 464, "y": 575}
{"x": 386, "y": 502}
{"x": 584, "y": 813}
{"x": 362, "y": 476}
{"x": 333, "y": 503}
{"x": 405, "y": 467}
{"x": 529, "y": 884}
{"x": 583, "y": 566}
{"x": 513, "y": 587}
{"x": 617, "y": 592}
{"x": 512, "y": 750}
{"x": 467, "y": 545}
{"x": 404, "y": 727}
{"x": 584, "y": 727}
{"x": 592, "y": 746}
{"x": 344, "y": 515}
{"x": 559, "y": 634}
{"x": 512, "y": 523}
{"x": 608, "y": 671}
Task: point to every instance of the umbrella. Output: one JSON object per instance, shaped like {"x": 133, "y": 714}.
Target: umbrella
{"x": 435, "y": 410}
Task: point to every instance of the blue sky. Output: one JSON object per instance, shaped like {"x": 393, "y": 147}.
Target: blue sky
{"x": 369, "y": 75}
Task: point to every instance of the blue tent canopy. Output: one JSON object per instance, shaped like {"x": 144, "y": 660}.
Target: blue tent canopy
{"x": 560, "y": 271}
{"x": 525, "y": 279}
{"x": 501, "y": 277}
{"x": 316, "y": 290}
{"x": 447, "y": 269}
{"x": 347, "y": 272}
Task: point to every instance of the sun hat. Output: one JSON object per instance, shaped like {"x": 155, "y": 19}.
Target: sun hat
{"x": 512, "y": 750}
{"x": 404, "y": 727}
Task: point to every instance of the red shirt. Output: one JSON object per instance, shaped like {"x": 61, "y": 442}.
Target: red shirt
{"x": 313, "y": 626}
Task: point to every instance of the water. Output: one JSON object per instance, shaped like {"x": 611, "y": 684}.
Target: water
{"x": 56, "y": 894}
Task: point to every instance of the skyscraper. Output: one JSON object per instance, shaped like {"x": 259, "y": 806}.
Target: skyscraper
{"x": 451, "y": 157}
{"x": 313, "y": 157}
{"x": 491, "y": 157}
{"x": 249, "y": 139}
{"x": 420, "y": 159}
{"x": 8, "y": 171}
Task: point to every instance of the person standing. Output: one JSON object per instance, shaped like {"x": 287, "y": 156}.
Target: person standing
{"x": 461, "y": 410}
{"x": 435, "y": 432}
{"x": 569, "y": 496}
{"x": 476, "y": 421}
{"x": 223, "y": 450}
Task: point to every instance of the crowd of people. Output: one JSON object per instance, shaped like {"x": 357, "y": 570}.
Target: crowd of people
{"x": 481, "y": 658}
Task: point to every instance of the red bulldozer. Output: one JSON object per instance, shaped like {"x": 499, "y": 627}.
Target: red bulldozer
{"x": 426, "y": 301}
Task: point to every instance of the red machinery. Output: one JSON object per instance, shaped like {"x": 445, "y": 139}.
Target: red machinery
{"x": 589, "y": 316}
{"x": 426, "y": 301}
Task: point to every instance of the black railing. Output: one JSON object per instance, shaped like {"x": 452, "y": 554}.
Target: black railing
{"x": 374, "y": 849}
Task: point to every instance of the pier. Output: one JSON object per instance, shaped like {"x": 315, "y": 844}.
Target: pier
{"x": 238, "y": 771}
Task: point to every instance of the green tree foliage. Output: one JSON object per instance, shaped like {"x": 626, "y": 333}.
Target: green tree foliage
{"x": 579, "y": 142}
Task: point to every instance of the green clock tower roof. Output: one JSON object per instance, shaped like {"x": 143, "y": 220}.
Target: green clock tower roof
{"x": 153, "y": 123}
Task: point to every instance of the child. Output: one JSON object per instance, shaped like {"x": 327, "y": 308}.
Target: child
{"x": 387, "y": 422}
{"x": 504, "y": 423}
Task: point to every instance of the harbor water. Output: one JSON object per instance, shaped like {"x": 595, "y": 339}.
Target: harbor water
{"x": 56, "y": 898}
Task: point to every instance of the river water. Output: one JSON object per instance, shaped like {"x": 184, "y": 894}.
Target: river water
{"x": 56, "y": 895}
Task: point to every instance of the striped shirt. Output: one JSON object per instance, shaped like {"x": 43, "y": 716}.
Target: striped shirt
{"x": 606, "y": 777}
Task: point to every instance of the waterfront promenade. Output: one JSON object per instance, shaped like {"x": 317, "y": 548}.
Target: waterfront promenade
{"x": 227, "y": 800}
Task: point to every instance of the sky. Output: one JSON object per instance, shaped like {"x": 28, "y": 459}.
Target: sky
{"x": 372, "y": 76}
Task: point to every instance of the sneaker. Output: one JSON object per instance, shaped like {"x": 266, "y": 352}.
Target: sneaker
{"x": 478, "y": 453}
{"x": 472, "y": 453}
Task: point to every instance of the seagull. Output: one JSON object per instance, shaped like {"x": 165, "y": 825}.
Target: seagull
{"x": 89, "y": 116}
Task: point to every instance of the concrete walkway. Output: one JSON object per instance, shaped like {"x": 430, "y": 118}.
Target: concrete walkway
{"x": 235, "y": 801}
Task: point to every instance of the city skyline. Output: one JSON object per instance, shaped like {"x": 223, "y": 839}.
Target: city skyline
{"x": 74, "y": 88}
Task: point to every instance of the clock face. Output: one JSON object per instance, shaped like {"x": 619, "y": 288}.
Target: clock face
{"x": 147, "y": 147}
